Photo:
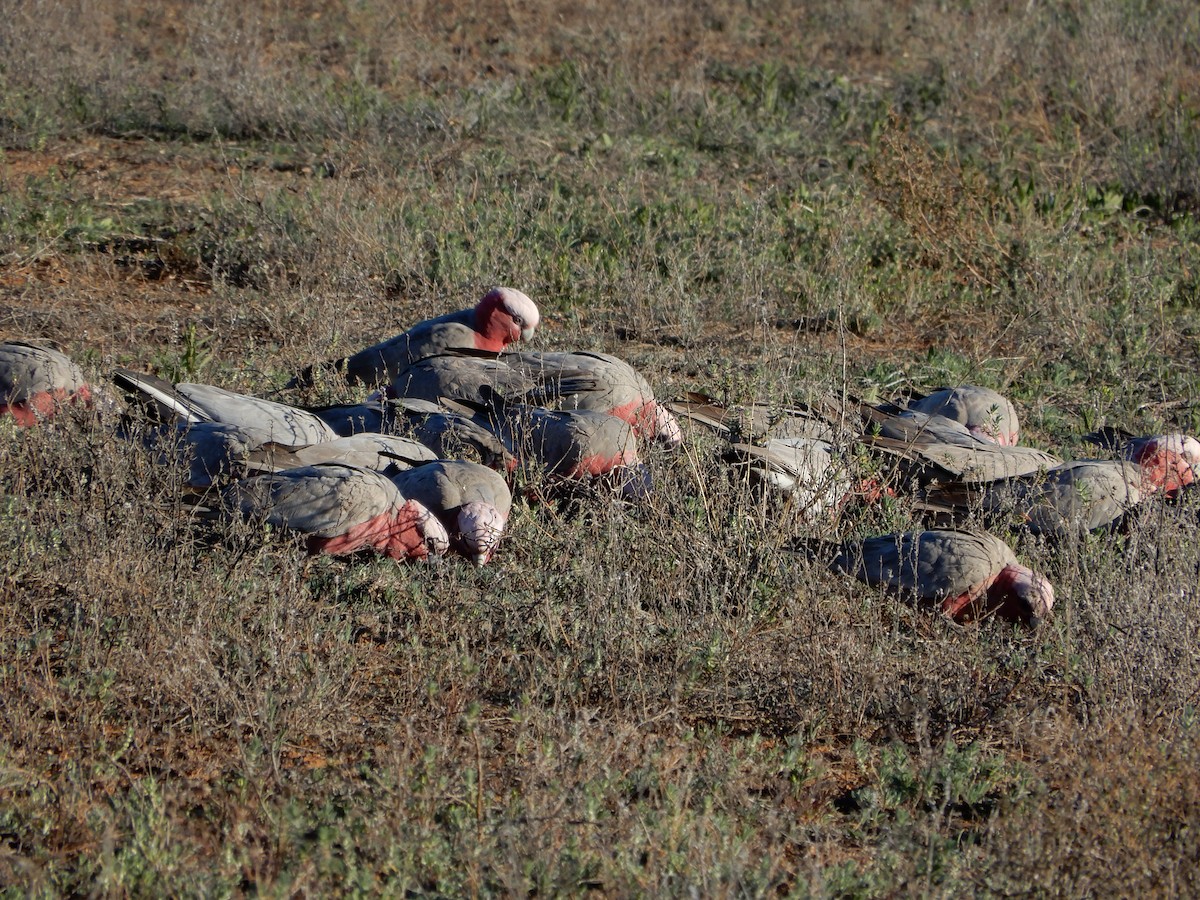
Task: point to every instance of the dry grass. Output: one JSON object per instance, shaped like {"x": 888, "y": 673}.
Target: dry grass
{"x": 754, "y": 200}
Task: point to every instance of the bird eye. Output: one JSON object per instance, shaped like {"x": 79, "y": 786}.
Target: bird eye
{"x": 516, "y": 320}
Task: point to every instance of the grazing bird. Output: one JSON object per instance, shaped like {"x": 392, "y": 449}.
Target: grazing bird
{"x": 755, "y": 422}
{"x": 807, "y": 471}
{"x": 190, "y": 404}
{"x": 987, "y": 414}
{"x": 341, "y": 509}
{"x": 571, "y": 444}
{"x": 449, "y": 434}
{"x": 966, "y": 574}
{"x": 574, "y": 448}
{"x": 599, "y": 382}
{"x": 472, "y": 501}
{"x": 1171, "y": 461}
{"x": 454, "y": 376}
{"x": 502, "y": 317}
{"x": 1071, "y": 498}
{"x": 384, "y": 453}
{"x": 35, "y": 381}
{"x": 933, "y": 448}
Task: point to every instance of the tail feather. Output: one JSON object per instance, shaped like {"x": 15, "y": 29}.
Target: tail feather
{"x": 158, "y": 396}
{"x": 703, "y": 410}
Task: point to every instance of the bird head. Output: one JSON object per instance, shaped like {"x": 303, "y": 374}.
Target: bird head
{"x": 480, "y": 527}
{"x": 1170, "y": 462}
{"x": 505, "y": 315}
{"x": 434, "y": 540}
{"x": 666, "y": 428}
{"x": 1020, "y": 594}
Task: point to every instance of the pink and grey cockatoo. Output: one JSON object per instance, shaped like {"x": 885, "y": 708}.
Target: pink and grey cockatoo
{"x": 384, "y": 453}
{"x": 986, "y": 414}
{"x": 966, "y": 574}
{"x": 810, "y": 473}
{"x": 502, "y": 317}
{"x": 577, "y": 444}
{"x": 449, "y": 434}
{"x": 1171, "y": 462}
{"x": 933, "y": 448}
{"x": 472, "y": 501}
{"x": 759, "y": 421}
{"x": 588, "y": 380}
{"x": 341, "y": 509}
{"x": 190, "y": 404}
{"x": 570, "y": 446}
{"x": 35, "y": 381}
{"x": 1072, "y": 498}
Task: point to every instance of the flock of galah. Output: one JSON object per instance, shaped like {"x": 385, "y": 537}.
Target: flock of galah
{"x": 426, "y": 465}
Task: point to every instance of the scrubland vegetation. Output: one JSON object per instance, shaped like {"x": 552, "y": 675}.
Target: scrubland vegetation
{"x": 756, "y": 199}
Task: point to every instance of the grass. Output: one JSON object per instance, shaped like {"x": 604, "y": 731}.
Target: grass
{"x": 751, "y": 200}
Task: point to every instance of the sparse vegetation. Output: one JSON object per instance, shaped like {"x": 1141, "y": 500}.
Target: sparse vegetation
{"x": 749, "y": 199}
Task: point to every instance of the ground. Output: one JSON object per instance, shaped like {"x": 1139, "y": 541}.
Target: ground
{"x": 753, "y": 200}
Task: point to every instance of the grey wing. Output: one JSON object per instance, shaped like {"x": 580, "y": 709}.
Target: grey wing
{"x": 215, "y": 452}
{"x": 477, "y": 483}
{"x": 367, "y": 451}
{"x": 431, "y": 486}
{"x": 1084, "y": 496}
{"x": 564, "y": 440}
{"x": 987, "y": 462}
{"x": 282, "y": 424}
{"x": 930, "y": 565}
{"x": 380, "y": 363}
{"x": 951, "y": 562}
{"x": 348, "y": 419}
{"x": 325, "y": 501}
{"x": 468, "y": 378}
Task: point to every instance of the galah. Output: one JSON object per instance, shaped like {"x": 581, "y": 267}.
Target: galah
{"x": 503, "y": 316}
{"x": 381, "y": 452}
{"x": 189, "y": 404}
{"x": 341, "y": 509}
{"x": 215, "y": 453}
{"x": 575, "y": 444}
{"x": 1171, "y": 462}
{"x": 986, "y": 414}
{"x": 588, "y": 380}
{"x": 809, "y": 472}
{"x": 578, "y": 446}
{"x": 35, "y": 381}
{"x": 472, "y": 501}
{"x": 757, "y": 421}
{"x": 933, "y": 448}
{"x": 967, "y": 574}
{"x": 449, "y": 434}
{"x": 1071, "y": 498}
{"x": 450, "y": 376}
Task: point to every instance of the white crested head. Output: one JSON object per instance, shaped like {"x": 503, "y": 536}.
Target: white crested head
{"x": 666, "y": 428}
{"x": 480, "y": 527}
{"x": 1031, "y": 594}
{"x": 433, "y": 532}
{"x": 518, "y": 313}
{"x": 1184, "y": 446}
